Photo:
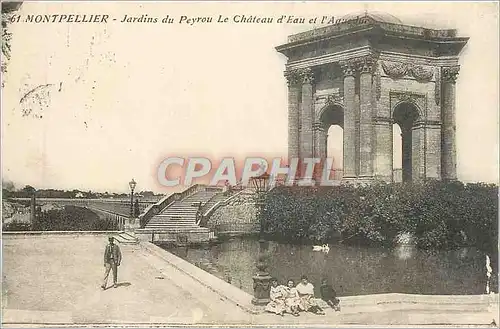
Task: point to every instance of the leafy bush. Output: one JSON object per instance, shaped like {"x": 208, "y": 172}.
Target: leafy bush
{"x": 71, "y": 219}
{"x": 438, "y": 214}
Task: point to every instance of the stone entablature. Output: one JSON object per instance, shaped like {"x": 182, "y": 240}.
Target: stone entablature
{"x": 361, "y": 87}
{"x": 367, "y": 21}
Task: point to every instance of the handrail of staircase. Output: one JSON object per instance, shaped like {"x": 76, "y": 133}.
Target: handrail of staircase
{"x": 191, "y": 190}
{"x": 206, "y": 215}
{"x": 204, "y": 206}
{"x": 216, "y": 206}
{"x": 156, "y": 208}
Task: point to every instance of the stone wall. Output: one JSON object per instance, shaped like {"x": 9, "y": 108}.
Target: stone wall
{"x": 239, "y": 216}
{"x": 179, "y": 238}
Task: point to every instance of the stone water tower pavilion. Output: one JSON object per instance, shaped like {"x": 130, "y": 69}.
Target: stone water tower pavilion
{"x": 366, "y": 74}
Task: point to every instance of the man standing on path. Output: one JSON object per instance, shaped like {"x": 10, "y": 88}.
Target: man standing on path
{"x": 112, "y": 259}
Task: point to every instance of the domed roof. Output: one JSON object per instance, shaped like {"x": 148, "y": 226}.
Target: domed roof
{"x": 375, "y": 15}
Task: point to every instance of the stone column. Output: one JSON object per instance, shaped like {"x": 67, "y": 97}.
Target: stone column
{"x": 366, "y": 131}
{"x": 383, "y": 149}
{"x": 319, "y": 141}
{"x": 293, "y": 80}
{"x": 319, "y": 148}
{"x": 433, "y": 150}
{"x": 350, "y": 139}
{"x": 307, "y": 115}
{"x": 418, "y": 146}
{"x": 448, "y": 148}
{"x": 408, "y": 146}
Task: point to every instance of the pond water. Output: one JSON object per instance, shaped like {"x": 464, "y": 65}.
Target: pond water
{"x": 352, "y": 270}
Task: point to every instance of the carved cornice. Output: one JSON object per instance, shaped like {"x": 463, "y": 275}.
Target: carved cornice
{"x": 437, "y": 87}
{"x": 450, "y": 73}
{"x": 398, "y": 70}
{"x": 293, "y": 77}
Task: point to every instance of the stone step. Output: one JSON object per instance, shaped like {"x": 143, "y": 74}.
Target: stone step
{"x": 176, "y": 216}
{"x": 182, "y": 207}
{"x": 126, "y": 238}
{"x": 175, "y": 221}
{"x": 177, "y": 230}
{"x": 171, "y": 224}
{"x": 170, "y": 219}
{"x": 179, "y": 210}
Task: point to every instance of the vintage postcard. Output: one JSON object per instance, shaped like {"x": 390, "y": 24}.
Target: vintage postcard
{"x": 325, "y": 164}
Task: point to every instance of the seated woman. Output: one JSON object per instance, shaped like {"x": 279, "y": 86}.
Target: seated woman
{"x": 277, "y": 296}
{"x": 329, "y": 295}
{"x": 292, "y": 299}
{"x": 306, "y": 294}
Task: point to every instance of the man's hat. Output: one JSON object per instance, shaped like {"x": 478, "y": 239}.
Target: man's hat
{"x": 111, "y": 238}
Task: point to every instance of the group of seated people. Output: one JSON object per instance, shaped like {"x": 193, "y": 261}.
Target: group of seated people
{"x": 297, "y": 298}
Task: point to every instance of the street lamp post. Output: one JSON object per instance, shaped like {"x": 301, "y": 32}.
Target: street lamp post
{"x": 262, "y": 279}
{"x": 132, "y": 185}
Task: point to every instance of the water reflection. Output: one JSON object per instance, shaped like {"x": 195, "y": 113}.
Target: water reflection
{"x": 352, "y": 270}
{"x": 404, "y": 252}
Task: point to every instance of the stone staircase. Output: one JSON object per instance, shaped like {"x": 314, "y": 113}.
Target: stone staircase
{"x": 181, "y": 215}
{"x": 217, "y": 198}
{"x": 126, "y": 238}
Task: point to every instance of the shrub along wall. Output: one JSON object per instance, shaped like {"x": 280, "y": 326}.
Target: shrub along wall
{"x": 440, "y": 215}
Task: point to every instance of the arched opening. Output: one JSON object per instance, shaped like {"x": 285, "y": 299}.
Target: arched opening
{"x": 405, "y": 115}
{"x": 332, "y": 122}
{"x": 335, "y": 145}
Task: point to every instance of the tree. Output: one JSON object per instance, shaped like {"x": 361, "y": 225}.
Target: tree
{"x": 147, "y": 194}
{"x": 8, "y": 8}
{"x": 28, "y": 189}
{"x": 8, "y": 185}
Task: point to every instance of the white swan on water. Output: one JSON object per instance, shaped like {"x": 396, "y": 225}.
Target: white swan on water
{"x": 324, "y": 248}
{"x": 488, "y": 274}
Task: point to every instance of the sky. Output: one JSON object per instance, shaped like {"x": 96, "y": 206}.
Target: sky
{"x": 124, "y": 96}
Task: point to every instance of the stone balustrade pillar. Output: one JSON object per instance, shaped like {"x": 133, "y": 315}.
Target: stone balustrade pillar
{"x": 350, "y": 139}
{"x": 448, "y": 147}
